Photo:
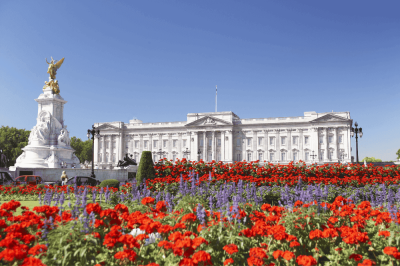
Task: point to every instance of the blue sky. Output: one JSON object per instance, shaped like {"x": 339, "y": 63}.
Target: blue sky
{"x": 159, "y": 60}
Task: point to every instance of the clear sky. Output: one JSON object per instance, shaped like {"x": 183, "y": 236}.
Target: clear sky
{"x": 159, "y": 60}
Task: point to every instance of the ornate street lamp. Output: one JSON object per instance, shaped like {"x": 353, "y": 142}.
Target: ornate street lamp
{"x": 186, "y": 153}
{"x": 160, "y": 152}
{"x": 358, "y": 131}
{"x": 92, "y": 133}
{"x": 313, "y": 156}
{"x": 198, "y": 155}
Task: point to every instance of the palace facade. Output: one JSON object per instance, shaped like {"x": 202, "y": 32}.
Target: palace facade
{"x": 223, "y": 136}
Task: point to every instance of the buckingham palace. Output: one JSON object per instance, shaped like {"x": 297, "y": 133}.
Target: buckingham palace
{"x": 223, "y": 136}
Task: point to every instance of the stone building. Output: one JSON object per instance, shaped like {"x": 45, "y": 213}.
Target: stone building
{"x": 223, "y": 136}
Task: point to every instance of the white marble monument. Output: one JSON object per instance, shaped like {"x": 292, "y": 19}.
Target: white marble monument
{"x": 49, "y": 142}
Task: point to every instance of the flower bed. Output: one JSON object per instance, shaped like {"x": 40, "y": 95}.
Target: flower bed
{"x": 207, "y": 221}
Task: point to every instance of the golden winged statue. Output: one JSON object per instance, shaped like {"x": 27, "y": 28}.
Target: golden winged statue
{"x": 53, "y": 66}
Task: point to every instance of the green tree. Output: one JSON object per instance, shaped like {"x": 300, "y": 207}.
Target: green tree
{"x": 146, "y": 168}
{"x": 12, "y": 140}
{"x": 83, "y": 149}
{"x": 398, "y": 154}
{"x": 371, "y": 160}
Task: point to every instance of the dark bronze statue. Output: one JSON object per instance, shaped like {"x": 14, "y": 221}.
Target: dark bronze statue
{"x": 3, "y": 159}
{"x": 126, "y": 162}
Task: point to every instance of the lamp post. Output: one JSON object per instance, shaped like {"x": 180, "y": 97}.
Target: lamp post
{"x": 313, "y": 156}
{"x": 160, "y": 152}
{"x": 198, "y": 155}
{"x": 358, "y": 131}
{"x": 92, "y": 133}
{"x": 186, "y": 153}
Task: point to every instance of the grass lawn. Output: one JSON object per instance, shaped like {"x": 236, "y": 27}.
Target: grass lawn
{"x": 33, "y": 203}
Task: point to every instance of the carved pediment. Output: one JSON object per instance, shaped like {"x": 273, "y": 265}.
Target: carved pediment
{"x": 209, "y": 121}
{"x": 107, "y": 126}
{"x": 329, "y": 118}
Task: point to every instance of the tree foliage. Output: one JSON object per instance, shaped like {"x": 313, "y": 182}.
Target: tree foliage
{"x": 371, "y": 160}
{"x": 398, "y": 154}
{"x": 12, "y": 140}
{"x": 146, "y": 168}
{"x": 83, "y": 149}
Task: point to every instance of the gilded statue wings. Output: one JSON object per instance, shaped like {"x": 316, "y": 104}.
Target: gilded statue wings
{"x": 59, "y": 63}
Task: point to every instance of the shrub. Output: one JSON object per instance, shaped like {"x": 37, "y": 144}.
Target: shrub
{"x": 146, "y": 168}
{"x": 15, "y": 189}
{"x": 40, "y": 186}
{"x": 110, "y": 183}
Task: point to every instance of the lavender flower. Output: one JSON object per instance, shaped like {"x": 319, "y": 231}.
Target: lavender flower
{"x": 201, "y": 214}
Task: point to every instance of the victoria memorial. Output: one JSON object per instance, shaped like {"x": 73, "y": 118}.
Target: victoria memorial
{"x": 223, "y": 136}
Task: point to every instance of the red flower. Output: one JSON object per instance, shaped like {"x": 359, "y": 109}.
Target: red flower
{"x": 128, "y": 253}
{"x": 148, "y": 201}
{"x": 190, "y": 216}
{"x": 230, "y": 249}
{"x": 367, "y": 262}
{"x": 202, "y": 256}
{"x": 93, "y": 207}
{"x": 36, "y": 250}
{"x": 356, "y": 257}
{"x": 316, "y": 234}
{"x": 31, "y": 261}
{"x": 228, "y": 261}
{"x": 390, "y": 250}
{"x": 306, "y": 260}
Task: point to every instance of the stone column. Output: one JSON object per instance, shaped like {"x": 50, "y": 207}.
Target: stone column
{"x": 103, "y": 139}
{"x": 141, "y": 145}
{"x": 111, "y": 151}
{"x": 336, "y": 138}
{"x": 266, "y": 141}
{"x": 213, "y": 145}
{"x": 289, "y": 145}
{"x": 244, "y": 145}
{"x": 205, "y": 158}
{"x": 121, "y": 146}
{"x": 327, "y": 144}
{"x": 151, "y": 144}
{"x": 229, "y": 146}
{"x": 254, "y": 155}
{"x": 278, "y": 145}
{"x": 170, "y": 146}
{"x": 301, "y": 139}
{"x": 315, "y": 143}
{"x": 96, "y": 149}
{"x": 180, "y": 153}
{"x": 223, "y": 149}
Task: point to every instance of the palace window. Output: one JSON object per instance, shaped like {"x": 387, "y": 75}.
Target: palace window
{"x": 174, "y": 157}
{"x": 283, "y": 156}
{"x": 165, "y": 143}
{"x": 295, "y": 140}
{"x": 307, "y": 155}
{"x": 238, "y": 143}
{"x": 136, "y": 157}
{"x": 295, "y": 156}
{"x": 331, "y": 155}
{"x": 154, "y": 159}
{"x": 321, "y": 140}
{"x": 306, "y": 138}
{"x": 249, "y": 157}
{"x": 219, "y": 157}
{"x": 271, "y": 156}
{"x": 100, "y": 144}
{"x": 321, "y": 155}
{"x": 107, "y": 144}
{"x": 136, "y": 144}
{"x": 219, "y": 142}
{"x": 113, "y": 157}
{"x": 271, "y": 141}
{"x": 260, "y": 156}
{"x": 341, "y": 139}
{"x": 248, "y": 141}
{"x": 145, "y": 144}
{"x": 174, "y": 143}
{"x": 201, "y": 143}
{"x": 330, "y": 139}
{"x": 107, "y": 157}
{"x": 210, "y": 142}
{"x": 114, "y": 145}
{"x": 154, "y": 144}
{"x": 260, "y": 141}
{"x": 99, "y": 160}
{"x": 238, "y": 157}
{"x": 283, "y": 140}
{"x": 184, "y": 143}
